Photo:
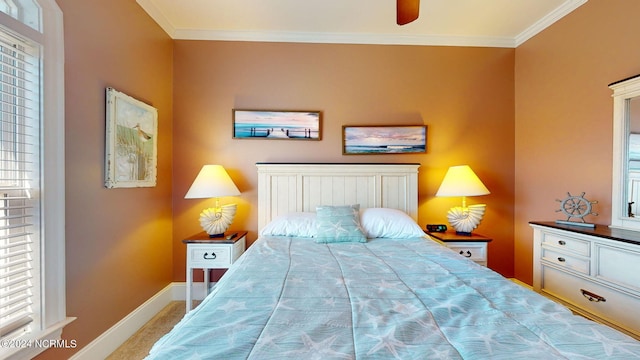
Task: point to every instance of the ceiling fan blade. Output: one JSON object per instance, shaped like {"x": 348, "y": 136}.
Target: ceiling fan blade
{"x": 407, "y": 11}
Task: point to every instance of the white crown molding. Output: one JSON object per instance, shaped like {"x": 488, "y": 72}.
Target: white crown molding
{"x": 150, "y": 8}
{"x": 533, "y": 30}
{"x": 342, "y": 38}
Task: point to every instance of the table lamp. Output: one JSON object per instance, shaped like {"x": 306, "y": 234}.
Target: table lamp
{"x": 462, "y": 181}
{"x": 214, "y": 182}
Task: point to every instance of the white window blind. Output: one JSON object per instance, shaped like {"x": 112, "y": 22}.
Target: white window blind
{"x": 19, "y": 186}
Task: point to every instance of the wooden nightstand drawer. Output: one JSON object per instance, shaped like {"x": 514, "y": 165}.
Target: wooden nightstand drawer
{"x": 474, "y": 251}
{"x": 472, "y": 246}
{"x": 209, "y": 256}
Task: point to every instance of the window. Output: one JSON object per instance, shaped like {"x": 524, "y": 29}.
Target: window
{"x": 25, "y": 11}
{"x": 19, "y": 183}
{"x": 32, "y": 287}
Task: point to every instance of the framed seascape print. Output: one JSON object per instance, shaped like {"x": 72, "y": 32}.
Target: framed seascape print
{"x": 131, "y": 142}
{"x": 398, "y": 139}
{"x": 269, "y": 124}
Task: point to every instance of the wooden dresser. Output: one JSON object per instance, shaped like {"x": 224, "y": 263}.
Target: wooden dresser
{"x": 593, "y": 271}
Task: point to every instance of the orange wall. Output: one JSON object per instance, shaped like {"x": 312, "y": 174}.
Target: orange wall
{"x": 118, "y": 241}
{"x": 531, "y": 134}
{"x": 464, "y": 95}
{"x": 564, "y": 113}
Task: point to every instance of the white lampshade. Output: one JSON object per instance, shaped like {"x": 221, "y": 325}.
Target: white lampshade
{"x": 461, "y": 181}
{"x": 212, "y": 181}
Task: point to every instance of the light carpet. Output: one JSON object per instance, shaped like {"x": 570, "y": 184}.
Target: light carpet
{"x": 138, "y": 345}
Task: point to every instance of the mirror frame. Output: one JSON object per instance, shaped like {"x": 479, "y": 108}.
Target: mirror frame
{"x": 623, "y": 91}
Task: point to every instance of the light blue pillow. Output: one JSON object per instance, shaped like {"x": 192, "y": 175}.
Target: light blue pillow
{"x": 339, "y": 224}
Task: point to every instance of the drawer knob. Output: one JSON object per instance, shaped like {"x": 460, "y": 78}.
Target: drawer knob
{"x": 467, "y": 254}
{"x": 592, "y": 297}
{"x": 206, "y": 256}
{"x": 561, "y": 259}
{"x": 562, "y": 242}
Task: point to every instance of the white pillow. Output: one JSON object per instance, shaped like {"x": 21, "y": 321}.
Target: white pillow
{"x": 300, "y": 224}
{"x": 389, "y": 223}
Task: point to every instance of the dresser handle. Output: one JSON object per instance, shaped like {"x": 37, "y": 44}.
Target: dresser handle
{"x": 592, "y": 297}
{"x": 206, "y": 256}
{"x": 562, "y": 242}
{"x": 561, "y": 259}
{"x": 468, "y": 254}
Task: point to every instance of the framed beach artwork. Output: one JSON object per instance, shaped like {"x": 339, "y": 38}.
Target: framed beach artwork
{"x": 131, "y": 142}
{"x": 398, "y": 139}
{"x": 282, "y": 125}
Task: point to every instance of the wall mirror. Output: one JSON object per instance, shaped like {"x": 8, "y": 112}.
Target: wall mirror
{"x": 626, "y": 154}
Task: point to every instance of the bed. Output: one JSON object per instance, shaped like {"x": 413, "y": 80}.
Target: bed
{"x": 374, "y": 287}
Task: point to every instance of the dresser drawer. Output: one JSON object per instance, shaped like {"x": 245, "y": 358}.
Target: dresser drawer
{"x": 209, "y": 256}
{"x": 572, "y": 262}
{"x": 615, "y": 307}
{"x": 618, "y": 265}
{"x": 567, "y": 244}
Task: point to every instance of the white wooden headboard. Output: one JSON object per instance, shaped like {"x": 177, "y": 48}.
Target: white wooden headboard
{"x": 293, "y": 187}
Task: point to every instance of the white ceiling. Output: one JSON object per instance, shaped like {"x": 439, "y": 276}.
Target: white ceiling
{"x": 493, "y": 23}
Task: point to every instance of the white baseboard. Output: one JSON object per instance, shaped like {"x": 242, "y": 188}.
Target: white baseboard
{"x": 179, "y": 290}
{"x": 115, "y": 336}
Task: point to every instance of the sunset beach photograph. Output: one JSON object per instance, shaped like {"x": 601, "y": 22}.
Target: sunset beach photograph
{"x": 261, "y": 124}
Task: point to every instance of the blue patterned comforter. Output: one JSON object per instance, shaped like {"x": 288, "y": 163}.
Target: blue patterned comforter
{"x": 291, "y": 298}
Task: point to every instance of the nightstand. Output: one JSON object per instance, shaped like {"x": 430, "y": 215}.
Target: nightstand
{"x": 473, "y": 247}
{"x": 204, "y": 252}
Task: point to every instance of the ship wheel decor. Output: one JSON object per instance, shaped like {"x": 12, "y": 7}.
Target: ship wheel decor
{"x": 576, "y": 207}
